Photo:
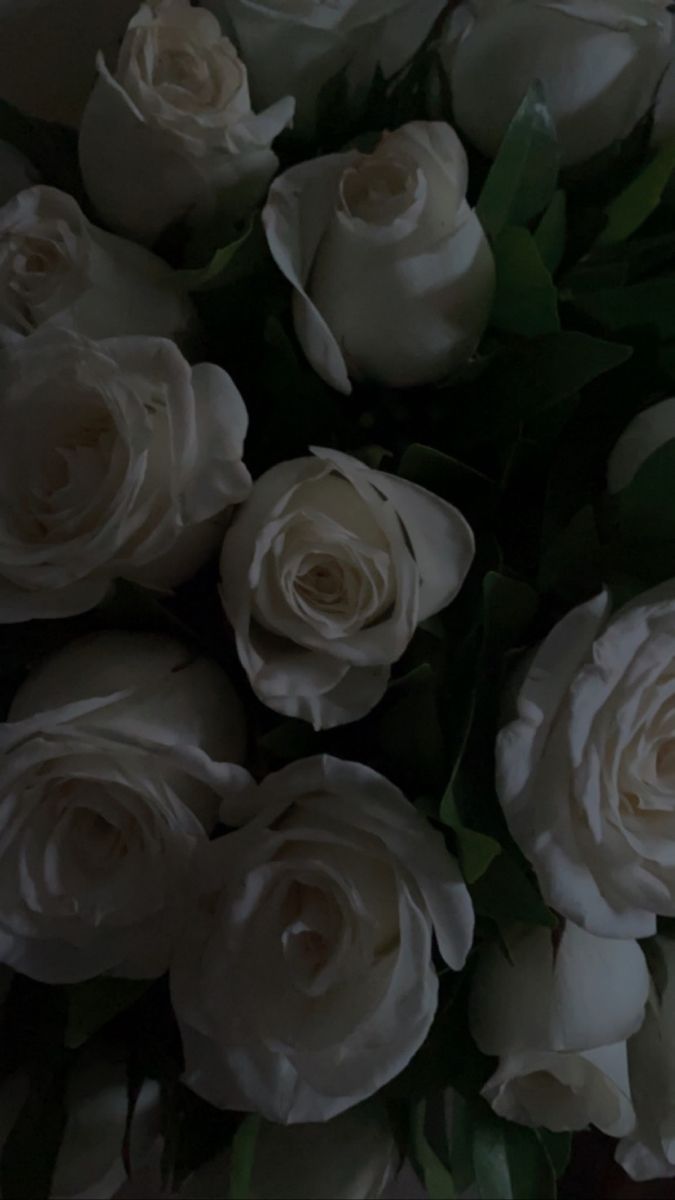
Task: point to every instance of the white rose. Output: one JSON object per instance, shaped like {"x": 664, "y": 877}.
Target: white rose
{"x": 559, "y": 1018}
{"x": 16, "y": 173}
{"x": 109, "y": 780}
{"x": 649, "y": 1152}
{"x": 600, "y": 62}
{"x": 297, "y": 46}
{"x": 646, "y": 433}
{"x": 352, "y": 1157}
{"x": 48, "y": 51}
{"x": 123, "y": 462}
{"x": 304, "y": 981}
{"x": 89, "y": 1165}
{"x": 393, "y": 275}
{"x": 56, "y": 268}
{"x": 585, "y": 772}
{"x": 325, "y": 574}
{"x": 172, "y": 132}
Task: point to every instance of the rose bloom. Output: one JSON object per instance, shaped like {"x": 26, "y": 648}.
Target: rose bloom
{"x": 600, "y": 63}
{"x": 585, "y": 770}
{"x": 326, "y": 573}
{"x": 110, "y": 776}
{"x": 649, "y": 1151}
{"x": 56, "y": 268}
{"x": 123, "y": 463}
{"x": 299, "y": 46}
{"x": 393, "y": 277}
{"x": 171, "y": 132}
{"x": 304, "y": 979}
{"x": 558, "y": 1013}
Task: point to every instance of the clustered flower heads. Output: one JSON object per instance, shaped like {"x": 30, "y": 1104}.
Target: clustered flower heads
{"x": 337, "y": 755}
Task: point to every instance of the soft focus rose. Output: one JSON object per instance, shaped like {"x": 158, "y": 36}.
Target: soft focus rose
{"x": 171, "y": 132}
{"x": 298, "y": 46}
{"x": 559, "y": 1018}
{"x": 56, "y": 268}
{"x": 16, "y": 172}
{"x": 646, "y": 433}
{"x": 89, "y": 1165}
{"x": 586, "y": 771}
{"x": 393, "y": 276}
{"x": 109, "y": 778}
{"x": 48, "y": 52}
{"x": 326, "y": 573}
{"x": 649, "y": 1152}
{"x": 123, "y": 462}
{"x": 352, "y": 1157}
{"x": 600, "y": 62}
{"x": 304, "y": 980}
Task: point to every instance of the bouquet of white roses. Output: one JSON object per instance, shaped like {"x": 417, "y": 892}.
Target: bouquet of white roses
{"x": 337, "y": 594}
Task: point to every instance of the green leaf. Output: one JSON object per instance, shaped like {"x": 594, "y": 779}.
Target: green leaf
{"x": 506, "y": 895}
{"x": 573, "y": 561}
{"x": 491, "y": 1160}
{"x": 473, "y": 493}
{"x": 214, "y": 274}
{"x": 651, "y": 303}
{"x": 476, "y": 850}
{"x": 509, "y": 609}
{"x": 639, "y": 200}
{"x": 645, "y": 510}
{"x": 95, "y": 1002}
{"x": 31, "y": 1149}
{"x": 289, "y": 739}
{"x": 558, "y": 1146}
{"x": 639, "y": 522}
{"x": 551, "y": 232}
{"x": 523, "y": 176}
{"x": 526, "y": 298}
{"x": 437, "y": 1178}
{"x": 193, "y": 1133}
{"x": 243, "y": 1158}
{"x": 528, "y": 380}
{"x": 510, "y": 1161}
{"x": 461, "y": 1152}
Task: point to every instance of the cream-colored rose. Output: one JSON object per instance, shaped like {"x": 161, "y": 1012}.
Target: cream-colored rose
{"x": 297, "y": 46}
{"x": 645, "y": 434}
{"x": 325, "y": 575}
{"x": 171, "y": 133}
{"x": 304, "y": 980}
{"x": 352, "y": 1157}
{"x": 393, "y": 277}
{"x": 649, "y": 1151}
{"x": 16, "y": 172}
{"x": 600, "y": 63}
{"x": 123, "y": 462}
{"x": 558, "y": 1013}
{"x": 56, "y": 268}
{"x": 586, "y": 770}
{"x": 113, "y": 762}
